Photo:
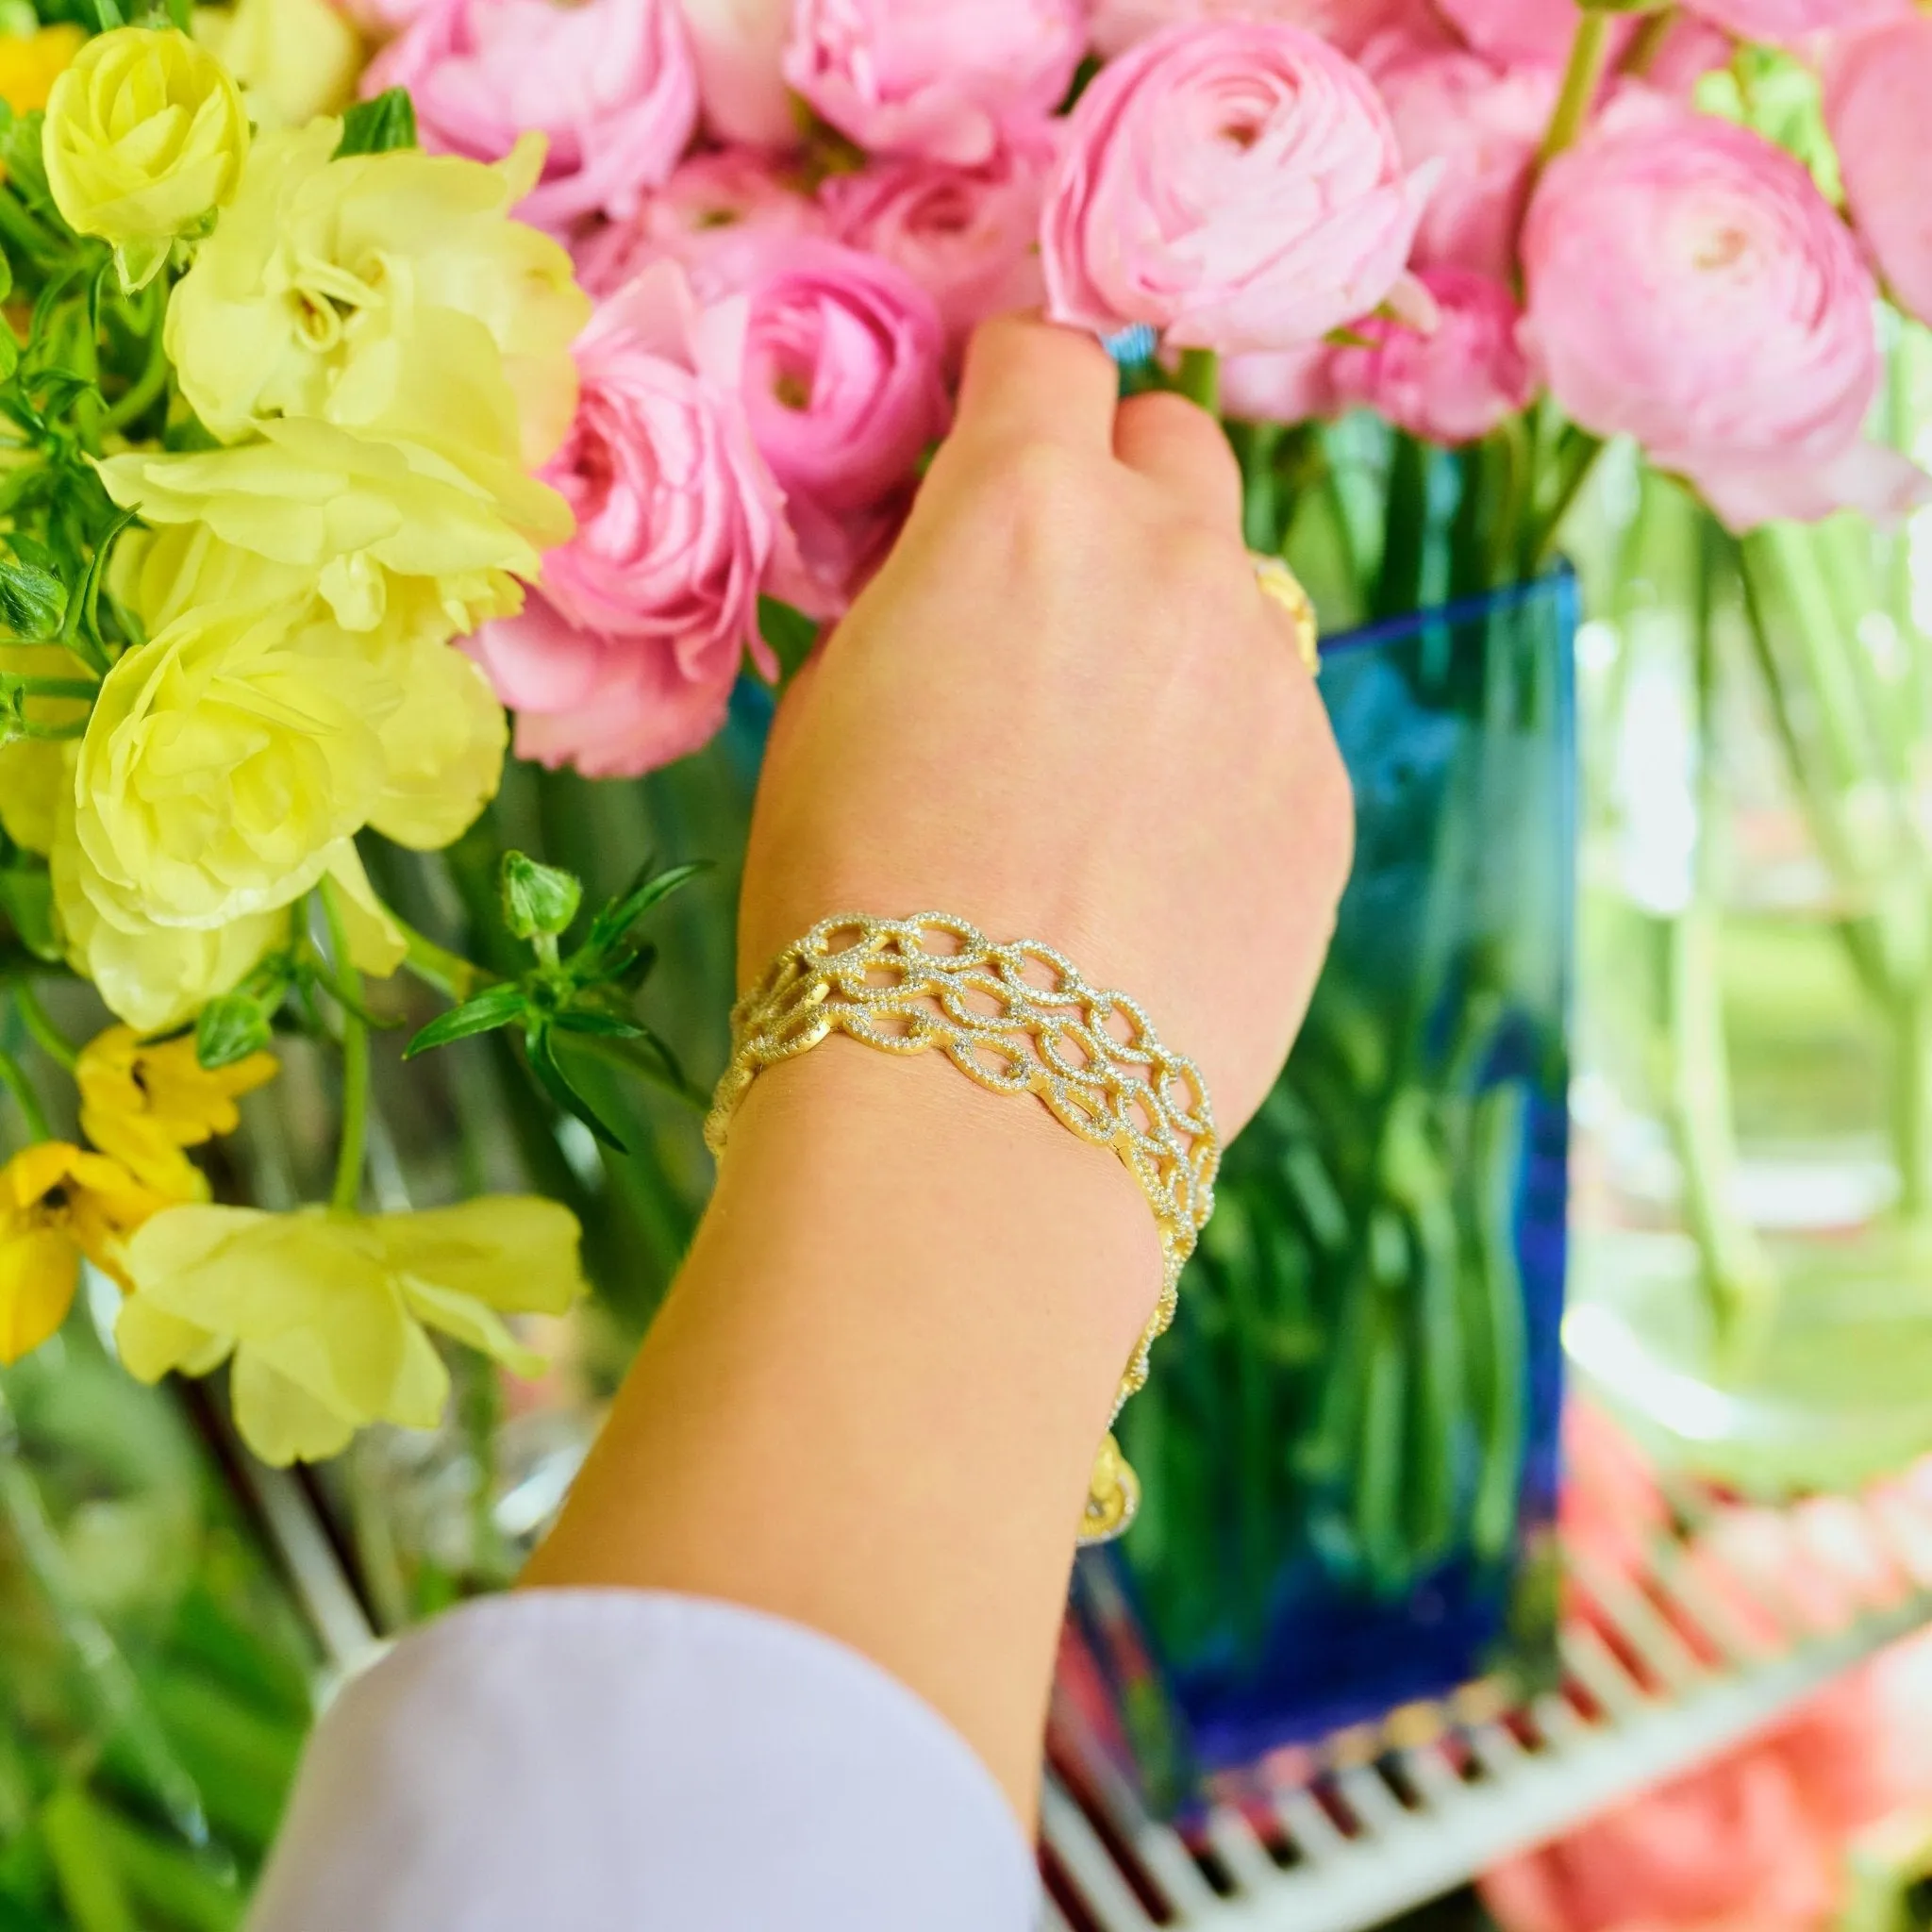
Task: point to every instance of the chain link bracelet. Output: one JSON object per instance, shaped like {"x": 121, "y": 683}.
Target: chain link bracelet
{"x": 1016, "y": 1019}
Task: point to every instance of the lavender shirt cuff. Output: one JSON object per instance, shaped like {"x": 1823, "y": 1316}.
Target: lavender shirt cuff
{"x": 606, "y": 1759}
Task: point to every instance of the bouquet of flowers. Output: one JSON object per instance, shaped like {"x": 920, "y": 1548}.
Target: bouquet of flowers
{"x": 584, "y": 368}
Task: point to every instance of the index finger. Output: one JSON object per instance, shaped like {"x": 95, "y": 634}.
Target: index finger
{"x": 1029, "y": 380}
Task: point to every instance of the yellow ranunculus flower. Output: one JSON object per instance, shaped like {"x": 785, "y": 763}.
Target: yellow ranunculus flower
{"x": 157, "y": 977}
{"x": 296, "y": 306}
{"x": 355, "y": 512}
{"x": 31, "y": 63}
{"x": 162, "y": 575}
{"x": 56, "y": 1204}
{"x": 327, "y": 1314}
{"x": 144, "y": 1102}
{"x": 444, "y": 745}
{"x": 145, "y": 133}
{"x": 31, "y": 769}
{"x": 294, "y": 59}
{"x": 226, "y": 761}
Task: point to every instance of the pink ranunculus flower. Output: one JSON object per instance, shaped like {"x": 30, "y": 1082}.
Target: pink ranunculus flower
{"x": 1236, "y": 185}
{"x": 969, "y": 237}
{"x": 1484, "y": 120}
{"x": 609, "y": 83}
{"x": 933, "y": 77}
{"x": 625, "y": 657}
{"x": 1116, "y": 25}
{"x": 1878, "y": 86}
{"x": 718, "y": 215}
{"x": 1280, "y": 385}
{"x": 738, "y": 46}
{"x": 1457, "y": 382}
{"x": 1688, "y": 286}
{"x": 1780, "y": 20}
{"x": 842, "y": 373}
{"x": 1515, "y": 29}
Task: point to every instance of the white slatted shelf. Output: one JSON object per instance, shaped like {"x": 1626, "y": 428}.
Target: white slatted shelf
{"x": 1663, "y": 1669}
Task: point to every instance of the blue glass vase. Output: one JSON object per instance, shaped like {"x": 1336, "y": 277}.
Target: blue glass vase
{"x": 1349, "y": 1444}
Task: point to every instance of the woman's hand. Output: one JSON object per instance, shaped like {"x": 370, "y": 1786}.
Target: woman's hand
{"x": 1064, "y": 711}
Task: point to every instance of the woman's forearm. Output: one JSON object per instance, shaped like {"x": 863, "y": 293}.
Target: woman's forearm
{"x": 897, "y": 1338}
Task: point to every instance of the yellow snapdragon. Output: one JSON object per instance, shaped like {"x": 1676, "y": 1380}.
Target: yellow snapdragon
{"x": 58, "y": 1203}
{"x": 332, "y": 287}
{"x": 143, "y": 1102}
{"x": 327, "y": 1314}
{"x": 145, "y": 134}
{"x": 31, "y": 63}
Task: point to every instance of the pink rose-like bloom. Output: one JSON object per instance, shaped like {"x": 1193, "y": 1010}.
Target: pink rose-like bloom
{"x": 608, "y": 82}
{"x": 626, "y": 656}
{"x": 1238, "y": 186}
{"x": 718, "y": 215}
{"x": 1688, "y": 286}
{"x": 1484, "y": 122}
{"x": 1280, "y": 386}
{"x": 969, "y": 237}
{"x": 738, "y": 46}
{"x": 1515, "y": 29}
{"x": 1350, "y": 24}
{"x": 1454, "y": 384}
{"x": 1792, "y": 20}
{"x": 933, "y": 77}
{"x": 1877, "y": 91}
{"x": 842, "y": 373}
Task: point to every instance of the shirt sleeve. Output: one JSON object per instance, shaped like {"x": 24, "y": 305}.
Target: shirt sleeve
{"x": 615, "y": 1760}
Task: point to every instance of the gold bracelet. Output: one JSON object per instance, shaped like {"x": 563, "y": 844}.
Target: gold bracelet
{"x": 1017, "y": 1019}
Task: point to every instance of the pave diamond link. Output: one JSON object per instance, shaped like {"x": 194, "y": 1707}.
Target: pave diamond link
{"x": 1015, "y": 1018}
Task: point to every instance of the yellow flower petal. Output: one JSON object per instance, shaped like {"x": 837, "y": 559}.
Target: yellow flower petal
{"x": 39, "y": 1271}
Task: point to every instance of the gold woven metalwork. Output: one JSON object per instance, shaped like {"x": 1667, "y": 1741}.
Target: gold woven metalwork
{"x": 1016, "y": 1019}
{"x": 1283, "y": 589}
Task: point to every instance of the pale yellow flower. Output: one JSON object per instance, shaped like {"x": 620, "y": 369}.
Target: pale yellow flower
{"x": 145, "y": 134}
{"x": 444, "y": 745}
{"x": 355, "y": 512}
{"x": 31, "y": 63}
{"x": 157, "y": 977}
{"x": 226, "y": 761}
{"x": 327, "y": 1315}
{"x": 294, "y": 59}
{"x": 143, "y": 1102}
{"x": 56, "y": 1204}
{"x": 31, "y": 768}
{"x": 332, "y": 286}
{"x": 162, "y": 575}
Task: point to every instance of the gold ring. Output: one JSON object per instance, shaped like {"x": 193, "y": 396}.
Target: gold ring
{"x": 1282, "y": 588}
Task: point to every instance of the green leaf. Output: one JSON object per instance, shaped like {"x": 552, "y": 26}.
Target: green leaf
{"x": 551, "y": 1077}
{"x": 33, "y": 601}
{"x": 790, "y": 634}
{"x": 379, "y": 126}
{"x": 589, "y": 1019}
{"x": 27, "y": 896}
{"x": 495, "y": 1007}
{"x": 232, "y": 1026}
{"x": 538, "y": 898}
{"x": 108, "y": 15}
{"x": 9, "y": 348}
{"x": 622, "y": 914}
{"x": 20, "y": 154}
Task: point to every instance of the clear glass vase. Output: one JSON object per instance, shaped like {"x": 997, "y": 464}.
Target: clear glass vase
{"x": 1753, "y": 1291}
{"x": 1348, "y": 1446}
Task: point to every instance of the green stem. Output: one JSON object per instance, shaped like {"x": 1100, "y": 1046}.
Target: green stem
{"x": 26, "y": 234}
{"x": 134, "y": 402}
{"x": 38, "y": 1023}
{"x": 1576, "y": 457}
{"x": 1912, "y": 1104}
{"x": 28, "y": 728}
{"x": 1199, "y": 379}
{"x": 13, "y": 1076}
{"x": 57, "y": 687}
{"x": 449, "y": 973}
{"x": 1590, "y": 53}
{"x": 1649, "y": 41}
{"x": 348, "y": 984}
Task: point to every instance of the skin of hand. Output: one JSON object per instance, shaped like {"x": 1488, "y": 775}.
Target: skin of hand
{"x": 1062, "y": 711}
